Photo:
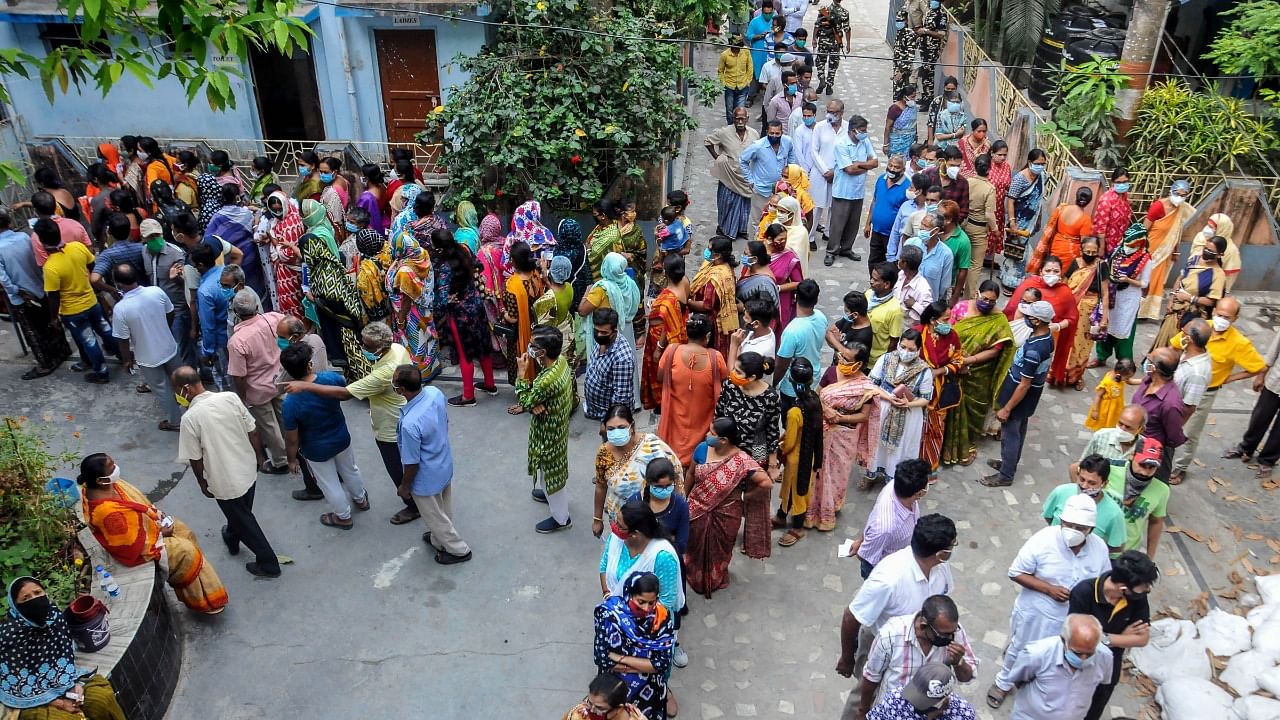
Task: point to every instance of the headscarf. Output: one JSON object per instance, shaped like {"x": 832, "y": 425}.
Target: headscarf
{"x": 406, "y": 216}
{"x": 465, "y": 215}
{"x": 39, "y": 659}
{"x": 788, "y": 209}
{"x": 568, "y": 233}
{"x": 624, "y": 296}
{"x": 111, "y": 156}
{"x": 796, "y": 176}
{"x": 1222, "y": 225}
{"x": 491, "y": 230}
{"x": 1179, "y": 185}
{"x": 316, "y": 219}
{"x": 561, "y": 269}
{"x": 370, "y": 243}
{"x": 406, "y": 252}
{"x": 527, "y": 227}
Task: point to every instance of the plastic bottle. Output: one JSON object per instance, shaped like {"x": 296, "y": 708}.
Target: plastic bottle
{"x": 110, "y": 585}
{"x": 102, "y": 581}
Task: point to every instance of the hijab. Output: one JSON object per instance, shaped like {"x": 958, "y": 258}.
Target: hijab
{"x": 527, "y": 227}
{"x": 317, "y": 222}
{"x": 465, "y": 215}
{"x": 624, "y": 296}
{"x": 406, "y": 252}
{"x": 39, "y": 659}
{"x": 788, "y": 211}
{"x": 490, "y": 230}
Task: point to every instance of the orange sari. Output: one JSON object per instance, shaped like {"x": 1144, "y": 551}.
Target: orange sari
{"x": 666, "y": 327}
{"x": 1162, "y": 242}
{"x": 128, "y": 528}
{"x": 1061, "y": 239}
{"x": 518, "y": 296}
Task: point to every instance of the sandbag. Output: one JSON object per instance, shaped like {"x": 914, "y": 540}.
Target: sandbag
{"x": 1173, "y": 652}
{"x": 1193, "y": 699}
{"x": 1255, "y": 707}
{"x": 1268, "y": 588}
{"x": 1270, "y": 681}
{"x": 1266, "y": 638}
{"x": 1243, "y": 670}
{"x": 1224, "y": 633}
{"x": 1259, "y": 615}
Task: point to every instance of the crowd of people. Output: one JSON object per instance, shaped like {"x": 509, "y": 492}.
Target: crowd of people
{"x": 251, "y": 311}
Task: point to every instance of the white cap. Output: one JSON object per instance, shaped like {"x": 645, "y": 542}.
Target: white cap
{"x": 1040, "y": 310}
{"x": 1080, "y": 510}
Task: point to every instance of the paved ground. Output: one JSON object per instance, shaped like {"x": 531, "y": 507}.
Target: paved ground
{"x": 364, "y": 624}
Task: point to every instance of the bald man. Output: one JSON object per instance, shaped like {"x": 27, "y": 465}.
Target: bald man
{"x": 1118, "y": 443}
{"x": 1163, "y": 402}
{"x": 1058, "y": 674}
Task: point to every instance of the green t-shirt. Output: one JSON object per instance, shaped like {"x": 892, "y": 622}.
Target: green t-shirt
{"x": 961, "y": 251}
{"x": 1110, "y": 523}
{"x": 1154, "y": 500}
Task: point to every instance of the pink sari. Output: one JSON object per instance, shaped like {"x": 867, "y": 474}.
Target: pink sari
{"x": 715, "y": 514}
{"x": 786, "y": 269}
{"x": 842, "y": 447}
{"x": 491, "y": 271}
{"x": 286, "y": 258}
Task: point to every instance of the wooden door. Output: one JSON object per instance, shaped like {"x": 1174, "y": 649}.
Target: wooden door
{"x": 410, "y": 80}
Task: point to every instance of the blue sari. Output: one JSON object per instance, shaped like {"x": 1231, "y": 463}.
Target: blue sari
{"x": 1026, "y": 195}
{"x": 903, "y": 133}
{"x": 618, "y": 631}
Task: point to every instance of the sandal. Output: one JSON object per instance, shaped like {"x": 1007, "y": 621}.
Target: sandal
{"x": 973, "y": 456}
{"x": 792, "y": 537}
{"x": 778, "y": 523}
{"x": 515, "y": 409}
{"x": 142, "y": 389}
{"x": 1177, "y": 478}
{"x": 1095, "y": 363}
{"x": 995, "y": 480}
{"x": 79, "y": 367}
{"x": 404, "y": 516}
{"x": 37, "y": 372}
{"x": 362, "y": 504}
{"x": 1264, "y": 472}
{"x": 331, "y": 520}
{"x": 866, "y": 483}
{"x": 1234, "y": 453}
{"x": 166, "y": 426}
{"x": 995, "y": 697}
{"x": 1079, "y": 385}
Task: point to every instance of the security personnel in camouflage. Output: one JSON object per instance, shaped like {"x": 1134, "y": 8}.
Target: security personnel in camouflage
{"x": 831, "y": 30}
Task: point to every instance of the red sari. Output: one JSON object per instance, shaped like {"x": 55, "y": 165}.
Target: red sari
{"x": 286, "y": 258}
{"x": 1111, "y": 217}
{"x": 1000, "y": 176}
{"x": 715, "y": 514}
{"x": 666, "y": 327}
{"x": 939, "y": 351}
{"x": 1063, "y": 301}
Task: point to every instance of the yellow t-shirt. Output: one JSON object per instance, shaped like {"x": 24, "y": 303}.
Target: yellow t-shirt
{"x": 67, "y": 273}
{"x": 886, "y": 324}
{"x": 384, "y": 403}
{"x": 1227, "y": 350}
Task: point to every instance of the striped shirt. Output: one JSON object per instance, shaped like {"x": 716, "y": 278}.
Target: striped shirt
{"x": 895, "y": 655}
{"x": 889, "y": 526}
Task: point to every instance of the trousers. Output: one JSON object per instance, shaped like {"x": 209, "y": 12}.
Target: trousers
{"x": 879, "y": 251}
{"x": 437, "y": 513}
{"x": 158, "y": 379}
{"x": 846, "y": 216}
{"x": 92, "y": 333}
{"x": 390, "y": 453}
{"x": 269, "y": 416}
{"x": 734, "y": 99}
{"x": 1012, "y": 436}
{"x": 1193, "y": 428}
{"x": 978, "y": 242}
{"x": 242, "y": 527}
{"x": 1266, "y": 414}
{"x": 339, "y": 479}
{"x": 558, "y": 502}
{"x": 1122, "y": 347}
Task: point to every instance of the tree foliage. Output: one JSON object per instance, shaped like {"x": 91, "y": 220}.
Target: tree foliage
{"x": 1086, "y": 101}
{"x": 1180, "y": 131}
{"x": 558, "y": 114}
{"x": 1248, "y": 45}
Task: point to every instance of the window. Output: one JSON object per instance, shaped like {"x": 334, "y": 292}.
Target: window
{"x": 56, "y": 35}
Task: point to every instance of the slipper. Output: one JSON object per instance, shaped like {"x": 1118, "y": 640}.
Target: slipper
{"x": 1234, "y": 453}
{"x": 331, "y": 520}
{"x": 1177, "y": 478}
{"x": 515, "y": 410}
{"x": 362, "y": 504}
{"x": 404, "y": 517}
{"x": 37, "y": 372}
{"x": 1264, "y": 472}
{"x": 142, "y": 389}
{"x": 79, "y": 367}
{"x": 777, "y": 524}
{"x": 167, "y": 427}
{"x": 866, "y": 483}
{"x": 792, "y": 537}
{"x": 995, "y": 697}
{"x": 973, "y": 455}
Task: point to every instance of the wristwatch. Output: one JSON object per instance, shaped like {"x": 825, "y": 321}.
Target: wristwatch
{"x": 1106, "y": 639}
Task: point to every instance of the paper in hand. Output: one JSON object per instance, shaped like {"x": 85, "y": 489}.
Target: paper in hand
{"x": 845, "y": 549}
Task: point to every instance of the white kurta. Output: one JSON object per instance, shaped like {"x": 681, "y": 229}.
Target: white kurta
{"x": 823, "y": 153}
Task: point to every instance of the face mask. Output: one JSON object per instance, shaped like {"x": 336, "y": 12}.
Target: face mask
{"x": 923, "y": 235}
{"x": 37, "y": 609}
{"x": 1030, "y": 323}
{"x": 893, "y": 174}
{"x": 934, "y": 4}
{"x": 1125, "y": 436}
{"x": 899, "y": 25}
{"x": 791, "y": 89}
{"x": 228, "y": 293}
{"x": 810, "y": 121}
{"x": 1220, "y": 324}
{"x": 1134, "y": 484}
{"x": 603, "y": 339}
{"x": 944, "y": 328}
{"x": 1072, "y": 536}
{"x": 618, "y": 436}
{"x": 860, "y": 136}
{"x": 746, "y": 260}
{"x": 326, "y": 177}
{"x": 706, "y": 254}
{"x": 1089, "y": 258}
{"x": 1051, "y": 279}
{"x": 931, "y": 207}
{"x": 985, "y": 306}
{"x": 303, "y": 171}
{"x": 937, "y": 639}
{"x": 181, "y": 400}
{"x": 662, "y": 493}
{"x": 922, "y": 163}
{"x": 1091, "y": 492}
{"x": 1128, "y": 249}
{"x": 1207, "y": 231}
{"x": 1122, "y": 188}
{"x": 370, "y": 356}
{"x": 953, "y": 172}
{"x": 113, "y": 477}
{"x": 613, "y": 527}
{"x": 911, "y": 103}
{"x": 142, "y": 155}
{"x": 912, "y": 194}
{"x": 1074, "y": 660}
{"x": 1176, "y": 200}
{"x": 712, "y": 440}
{"x": 351, "y": 227}
{"x": 282, "y": 343}
{"x": 953, "y": 106}
{"x": 775, "y": 140}
{"x": 1147, "y": 367}
{"x": 846, "y": 369}
{"x": 833, "y": 118}
{"x": 638, "y": 611}
{"x": 739, "y": 380}
{"x": 800, "y": 43}
{"x": 908, "y": 356}
{"x": 214, "y": 169}
{"x": 1037, "y": 169}
{"x": 155, "y": 245}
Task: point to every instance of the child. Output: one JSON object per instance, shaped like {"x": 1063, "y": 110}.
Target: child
{"x": 680, "y": 199}
{"x": 1108, "y": 399}
{"x": 801, "y": 452}
{"x": 673, "y": 238}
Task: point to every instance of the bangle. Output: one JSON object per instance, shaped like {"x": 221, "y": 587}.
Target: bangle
{"x": 598, "y": 519}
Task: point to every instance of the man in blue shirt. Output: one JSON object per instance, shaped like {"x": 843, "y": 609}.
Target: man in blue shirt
{"x": 803, "y": 337}
{"x": 890, "y": 194}
{"x": 762, "y": 164}
{"x": 423, "y": 437}
{"x": 913, "y": 203}
{"x": 854, "y": 156}
{"x": 757, "y": 33}
{"x": 316, "y": 430}
{"x": 212, "y": 302}
{"x": 23, "y": 283}
{"x": 938, "y": 264}
{"x": 1020, "y": 393}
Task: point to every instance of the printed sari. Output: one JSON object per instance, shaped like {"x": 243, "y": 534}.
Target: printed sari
{"x": 1162, "y": 242}
{"x": 716, "y": 505}
{"x": 786, "y": 269}
{"x": 337, "y": 301}
{"x": 842, "y": 446}
{"x": 490, "y": 261}
{"x": 940, "y": 351}
{"x": 517, "y": 298}
{"x": 652, "y": 639}
{"x": 714, "y": 286}
{"x": 1084, "y": 284}
{"x": 625, "y": 480}
{"x": 902, "y": 134}
{"x": 1200, "y": 280}
{"x": 978, "y": 388}
{"x": 412, "y": 289}
{"x": 286, "y": 257}
{"x": 666, "y": 327}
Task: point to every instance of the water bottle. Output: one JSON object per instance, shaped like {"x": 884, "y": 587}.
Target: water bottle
{"x": 102, "y": 580}
{"x": 110, "y": 586}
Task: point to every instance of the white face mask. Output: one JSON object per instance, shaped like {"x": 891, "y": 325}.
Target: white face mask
{"x": 1051, "y": 280}
{"x": 1125, "y": 436}
{"x": 907, "y": 356}
{"x": 912, "y": 194}
{"x": 1207, "y": 231}
{"x": 1176, "y": 200}
{"x": 113, "y": 477}
{"x": 1072, "y": 536}
{"x": 1220, "y": 324}
{"x": 953, "y": 172}
{"x": 142, "y": 155}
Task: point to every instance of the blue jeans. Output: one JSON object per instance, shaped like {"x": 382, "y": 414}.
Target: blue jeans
{"x": 87, "y": 329}
{"x": 180, "y": 327}
{"x": 734, "y": 99}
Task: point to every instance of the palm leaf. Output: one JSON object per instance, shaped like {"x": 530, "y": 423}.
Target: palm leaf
{"x": 1022, "y": 24}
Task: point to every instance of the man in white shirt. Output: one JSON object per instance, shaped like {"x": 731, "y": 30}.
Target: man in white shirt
{"x": 140, "y": 322}
{"x": 907, "y": 642}
{"x": 1058, "y": 674}
{"x": 802, "y": 137}
{"x": 898, "y": 585}
{"x": 794, "y": 11}
{"x": 1193, "y": 376}
{"x": 912, "y": 288}
{"x": 826, "y": 131}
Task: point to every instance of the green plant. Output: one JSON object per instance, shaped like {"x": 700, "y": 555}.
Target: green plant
{"x": 1086, "y": 99}
{"x": 1183, "y": 132}
{"x": 37, "y": 534}
{"x": 1248, "y": 45}
{"x": 1066, "y": 133}
{"x": 561, "y": 115}
{"x": 1010, "y": 29}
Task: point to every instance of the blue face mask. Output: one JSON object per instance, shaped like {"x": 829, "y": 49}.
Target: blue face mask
{"x": 944, "y": 328}
{"x": 706, "y": 254}
{"x": 370, "y": 356}
{"x": 1074, "y": 660}
{"x": 326, "y": 177}
{"x": 1122, "y": 188}
{"x": 860, "y": 136}
{"x": 810, "y": 121}
{"x": 791, "y": 89}
{"x": 900, "y": 25}
{"x": 303, "y": 171}
{"x": 662, "y": 493}
{"x": 954, "y": 107}
{"x": 931, "y": 208}
{"x": 618, "y": 436}
{"x": 228, "y": 293}
{"x": 351, "y": 227}
{"x": 921, "y": 163}
{"x": 1037, "y": 169}
{"x": 712, "y": 440}
{"x": 746, "y": 259}
{"x": 934, "y": 4}
{"x": 923, "y": 236}
{"x": 282, "y": 343}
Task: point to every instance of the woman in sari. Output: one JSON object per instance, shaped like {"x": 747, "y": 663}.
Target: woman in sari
{"x": 1113, "y": 214}
{"x": 850, "y": 430}
{"x": 973, "y": 145}
{"x": 756, "y": 282}
{"x": 459, "y": 313}
{"x": 667, "y": 317}
{"x": 468, "y": 222}
{"x": 791, "y": 217}
{"x": 604, "y": 238}
{"x": 635, "y": 248}
{"x": 608, "y": 698}
{"x": 942, "y": 352}
{"x": 615, "y": 289}
{"x": 1087, "y": 278}
{"x": 1062, "y": 233}
{"x": 260, "y": 172}
{"x": 309, "y": 186}
{"x": 490, "y": 259}
{"x": 620, "y": 465}
{"x": 798, "y": 181}
{"x": 690, "y": 374}
{"x": 986, "y": 339}
{"x": 286, "y": 230}
{"x": 906, "y": 387}
{"x": 712, "y": 291}
{"x": 787, "y": 273}
{"x": 1065, "y": 315}
{"x": 1164, "y": 222}
{"x": 234, "y": 222}
{"x": 41, "y": 680}
{"x": 1199, "y": 288}
{"x": 1129, "y": 272}
{"x": 521, "y": 289}
{"x": 407, "y": 216}
{"x": 555, "y": 307}
{"x": 900, "y": 122}
{"x": 375, "y": 260}
{"x": 1220, "y": 225}
{"x": 336, "y": 306}
{"x": 374, "y": 197}
{"x": 1000, "y": 175}
{"x": 634, "y": 637}
{"x": 1022, "y": 209}
{"x": 722, "y": 478}
{"x": 134, "y": 531}
{"x": 749, "y": 400}
{"x": 569, "y": 246}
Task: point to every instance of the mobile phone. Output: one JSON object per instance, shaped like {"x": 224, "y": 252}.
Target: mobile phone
{"x": 548, "y": 254}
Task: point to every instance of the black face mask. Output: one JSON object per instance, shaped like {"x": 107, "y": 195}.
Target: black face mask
{"x": 774, "y": 140}
{"x": 604, "y": 340}
{"x": 37, "y": 609}
{"x": 936, "y": 638}
{"x": 1135, "y": 483}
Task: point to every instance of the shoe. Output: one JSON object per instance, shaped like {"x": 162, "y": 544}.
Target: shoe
{"x": 305, "y": 495}
{"x": 269, "y": 469}
{"x": 854, "y": 257}
{"x": 995, "y": 480}
{"x": 445, "y": 558}
{"x": 460, "y": 401}
{"x": 539, "y": 496}
{"x": 550, "y": 525}
{"x": 679, "y": 657}
{"x": 489, "y": 389}
{"x": 426, "y": 538}
{"x": 813, "y": 246}
{"x": 994, "y": 464}
{"x": 232, "y": 543}
{"x": 829, "y": 260}
{"x": 97, "y": 379}
{"x": 78, "y": 367}
{"x": 828, "y": 92}
{"x": 256, "y": 570}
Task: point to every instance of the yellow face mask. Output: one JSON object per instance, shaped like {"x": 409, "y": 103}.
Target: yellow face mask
{"x": 847, "y": 369}
{"x": 182, "y": 400}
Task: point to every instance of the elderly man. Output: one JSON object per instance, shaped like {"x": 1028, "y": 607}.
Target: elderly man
{"x": 908, "y": 642}
{"x": 1142, "y": 495}
{"x": 913, "y": 290}
{"x": 384, "y": 403}
{"x": 826, "y": 132}
{"x": 423, "y": 437}
{"x": 253, "y": 362}
{"x": 1264, "y": 416}
{"x": 892, "y": 520}
{"x": 549, "y": 399}
{"x": 1118, "y": 599}
{"x": 1116, "y": 444}
{"x": 70, "y": 301}
{"x": 915, "y": 201}
{"x": 1160, "y": 398}
{"x": 140, "y": 325}
{"x": 218, "y": 440}
{"x": 608, "y": 380}
{"x": 929, "y": 696}
{"x": 889, "y": 195}
{"x": 899, "y": 585}
{"x": 1090, "y": 481}
{"x": 937, "y": 266}
{"x": 1020, "y": 393}
{"x": 162, "y": 264}
{"x": 1049, "y": 564}
{"x": 853, "y": 158}
{"x": 733, "y": 192}
{"x": 1059, "y": 674}
{"x": 762, "y": 163}
{"x": 24, "y": 287}
{"x": 1228, "y": 348}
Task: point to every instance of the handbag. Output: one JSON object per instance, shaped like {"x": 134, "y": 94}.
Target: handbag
{"x": 505, "y": 330}
{"x": 949, "y": 394}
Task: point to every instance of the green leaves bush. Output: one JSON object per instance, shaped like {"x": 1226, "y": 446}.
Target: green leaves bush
{"x": 1183, "y": 132}
{"x": 1086, "y": 101}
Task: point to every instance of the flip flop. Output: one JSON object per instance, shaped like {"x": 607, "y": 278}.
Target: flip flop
{"x": 142, "y": 389}
{"x": 791, "y": 537}
{"x": 362, "y": 504}
{"x": 995, "y": 697}
{"x": 330, "y": 520}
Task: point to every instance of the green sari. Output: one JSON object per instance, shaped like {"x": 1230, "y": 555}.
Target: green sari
{"x": 978, "y": 388}
{"x": 602, "y": 241}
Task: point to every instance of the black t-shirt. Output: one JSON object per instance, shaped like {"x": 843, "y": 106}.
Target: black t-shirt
{"x": 1087, "y": 598}
{"x": 850, "y": 335}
